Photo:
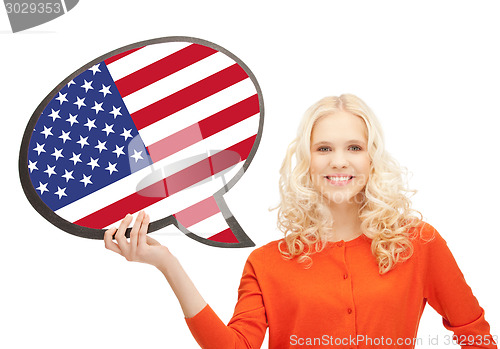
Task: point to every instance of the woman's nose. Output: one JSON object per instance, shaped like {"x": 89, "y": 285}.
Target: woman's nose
{"x": 338, "y": 160}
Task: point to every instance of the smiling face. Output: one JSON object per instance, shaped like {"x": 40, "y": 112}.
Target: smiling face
{"x": 340, "y": 163}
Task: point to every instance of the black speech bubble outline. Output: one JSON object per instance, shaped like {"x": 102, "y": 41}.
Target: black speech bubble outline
{"x": 98, "y": 234}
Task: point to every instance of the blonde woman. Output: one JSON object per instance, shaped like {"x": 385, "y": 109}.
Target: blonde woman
{"x": 356, "y": 265}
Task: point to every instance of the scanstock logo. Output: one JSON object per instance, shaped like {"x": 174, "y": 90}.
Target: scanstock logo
{"x": 25, "y": 14}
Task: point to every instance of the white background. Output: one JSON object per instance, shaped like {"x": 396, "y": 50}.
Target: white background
{"x": 430, "y": 71}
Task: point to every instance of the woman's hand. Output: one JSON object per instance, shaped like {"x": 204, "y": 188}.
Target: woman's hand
{"x": 141, "y": 247}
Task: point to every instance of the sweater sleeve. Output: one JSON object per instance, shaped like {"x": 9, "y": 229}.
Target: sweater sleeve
{"x": 247, "y": 327}
{"x": 448, "y": 293}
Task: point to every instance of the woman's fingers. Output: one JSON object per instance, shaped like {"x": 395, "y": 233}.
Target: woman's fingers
{"x": 139, "y": 247}
{"x": 108, "y": 241}
{"x": 135, "y": 232}
{"x": 144, "y": 229}
{"x": 120, "y": 235}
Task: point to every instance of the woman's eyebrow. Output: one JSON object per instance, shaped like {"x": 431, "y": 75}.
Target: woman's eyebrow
{"x": 355, "y": 141}
{"x": 346, "y": 142}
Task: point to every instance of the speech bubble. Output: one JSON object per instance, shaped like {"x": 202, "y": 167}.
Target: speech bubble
{"x": 166, "y": 125}
{"x": 28, "y": 14}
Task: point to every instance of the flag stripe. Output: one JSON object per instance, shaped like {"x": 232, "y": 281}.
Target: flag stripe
{"x": 162, "y": 68}
{"x": 197, "y": 112}
{"x": 204, "y": 128}
{"x": 226, "y": 236}
{"x": 210, "y": 226}
{"x": 120, "y": 55}
{"x": 146, "y": 56}
{"x": 187, "y": 96}
{"x": 170, "y": 185}
{"x": 174, "y": 143}
{"x": 177, "y": 81}
{"x": 197, "y": 212}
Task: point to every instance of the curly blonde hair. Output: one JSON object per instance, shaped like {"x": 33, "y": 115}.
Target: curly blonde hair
{"x": 385, "y": 213}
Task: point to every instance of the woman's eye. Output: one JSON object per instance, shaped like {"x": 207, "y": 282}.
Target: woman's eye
{"x": 323, "y": 149}
{"x": 355, "y": 147}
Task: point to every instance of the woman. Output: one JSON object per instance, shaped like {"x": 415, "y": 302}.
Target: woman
{"x": 356, "y": 265}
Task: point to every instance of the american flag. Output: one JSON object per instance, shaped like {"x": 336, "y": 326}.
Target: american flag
{"x": 161, "y": 127}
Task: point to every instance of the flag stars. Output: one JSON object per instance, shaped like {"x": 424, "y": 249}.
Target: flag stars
{"x": 54, "y": 115}
{"x": 87, "y": 85}
{"x": 95, "y": 69}
{"x": 126, "y": 134}
{"x": 97, "y": 107}
{"x": 90, "y": 124}
{"x": 50, "y": 170}
{"x": 105, "y": 90}
{"x": 65, "y": 136}
{"x": 137, "y": 155}
{"x": 93, "y": 163}
{"x": 62, "y": 97}
{"x": 60, "y": 192}
{"x": 111, "y": 168}
{"x": 32, "y": 166}
{"x": 86, "y": 180}
{"x": 47, "y": 132}
{"x": 57, "y": 153}
{"x": 116, "y": 112}
{"x": 79, "y": 146}
{"x": 118, "y": 151}
{"x": 76, "y": 147}
{"x": 72, "y": 119}
{"x": 108, "y": 129}
{"x": 42, "y": 187}
{"x": 101, "y": 146}
{"x": 39, "y": 148}
{"x": 80, "y": 102}
{"x": 83, "y": 141}
{"x": 68, "y": 175}
{"x": 75, "y": 158}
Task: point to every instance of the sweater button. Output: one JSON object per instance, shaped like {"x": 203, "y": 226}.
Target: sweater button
{"x": 345, "y": 276}
{"x": 340, "y": 244}
{"x": 349, "y": 310}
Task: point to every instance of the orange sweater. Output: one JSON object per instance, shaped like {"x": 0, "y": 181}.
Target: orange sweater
{"x": 343, "y": 302}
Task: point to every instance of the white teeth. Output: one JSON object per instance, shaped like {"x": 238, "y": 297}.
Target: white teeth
{"x": 338, "y": 179}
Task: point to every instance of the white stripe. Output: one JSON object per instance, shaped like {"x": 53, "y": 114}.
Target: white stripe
{"x": 128, "y": 185}
{"x": 177, "y": 81}
{"x": 210, "y": 226}
{"x": 142, "y": 58}
{"x": 197, "y": 112}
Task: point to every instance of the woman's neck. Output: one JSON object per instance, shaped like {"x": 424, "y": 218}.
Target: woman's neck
{"x": 346, "y": 222}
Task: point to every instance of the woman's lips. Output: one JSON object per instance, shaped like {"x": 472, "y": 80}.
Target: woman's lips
{"x": 339, "y": 180}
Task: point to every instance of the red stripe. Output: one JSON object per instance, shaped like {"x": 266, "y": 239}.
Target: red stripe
{"x": 177, "y": 141}
{"x": 197, "y": 212}
{"x": 162, "y": 68}
{"x": 226, "y": 236}
{"x": 120, "y": 55}
{"x": 229, "y": 116}
{"x": 204, "y": 129}
{"x": 188, "y": 96}
{"x": 170, "y": 185}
